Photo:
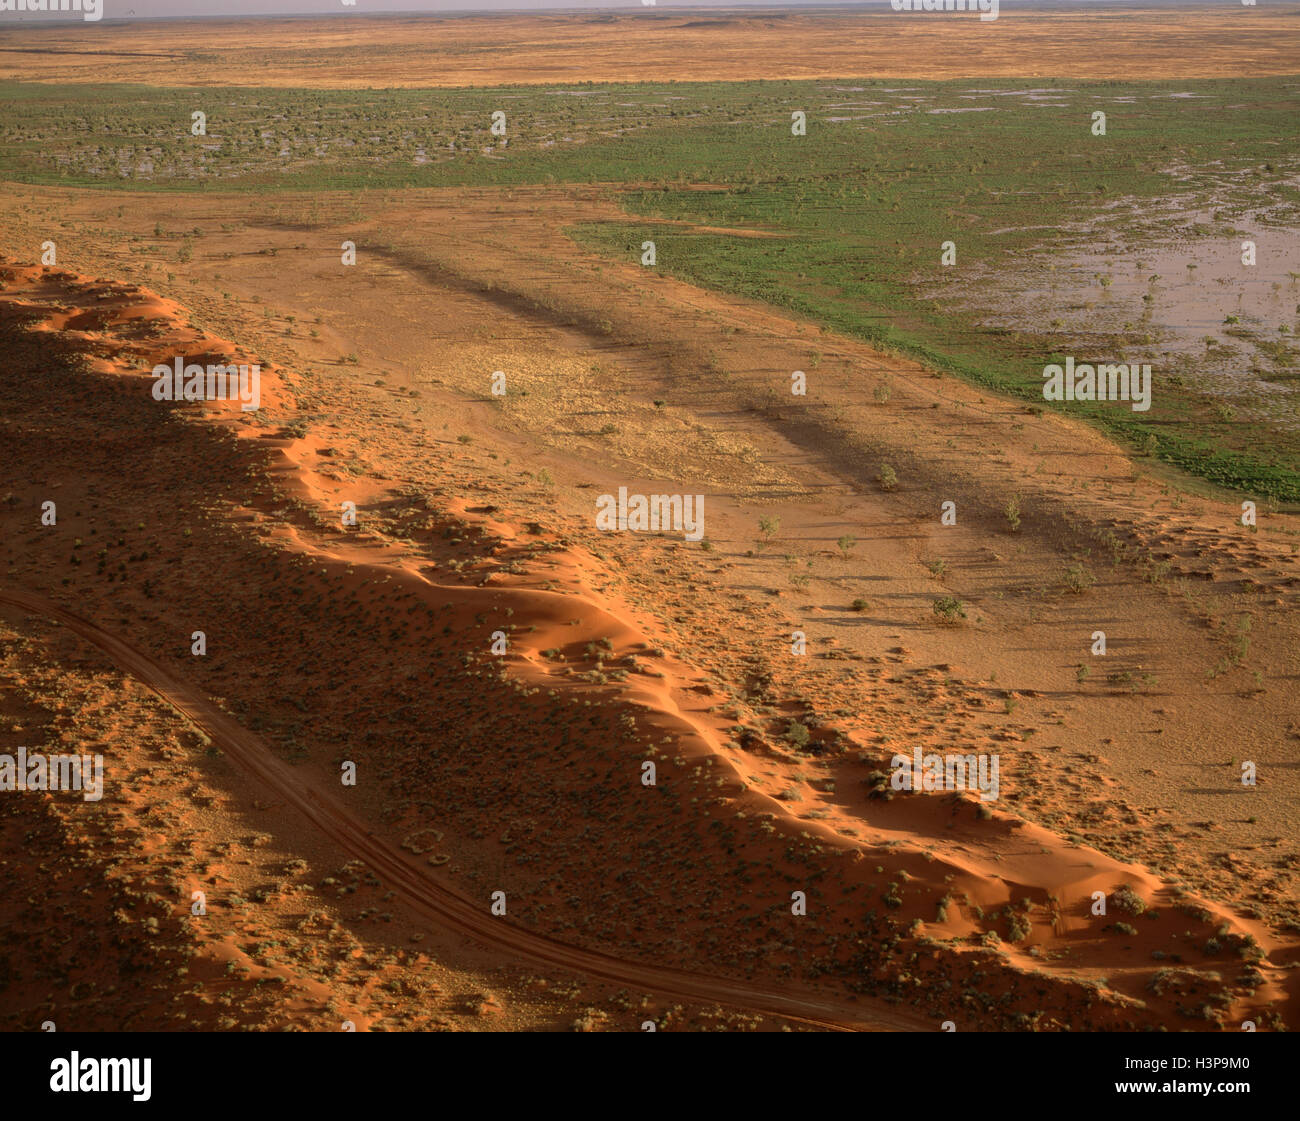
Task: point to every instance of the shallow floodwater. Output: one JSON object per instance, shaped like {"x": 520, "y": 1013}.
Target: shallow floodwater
{"x": 1225, "y": 326}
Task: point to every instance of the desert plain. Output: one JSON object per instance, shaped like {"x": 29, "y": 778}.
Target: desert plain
{"x": 397, "y": 735}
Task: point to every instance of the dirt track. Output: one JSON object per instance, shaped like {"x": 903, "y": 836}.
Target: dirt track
{"x": 428, "y": 897}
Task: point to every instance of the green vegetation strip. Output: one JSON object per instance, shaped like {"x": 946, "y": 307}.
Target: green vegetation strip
{"x": 888, "y": 170}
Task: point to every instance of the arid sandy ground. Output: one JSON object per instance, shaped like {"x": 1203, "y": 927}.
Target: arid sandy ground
{"x": 360, "y": 52}
{"x": 521, "y": 773}
{"x": 617, "y": 377}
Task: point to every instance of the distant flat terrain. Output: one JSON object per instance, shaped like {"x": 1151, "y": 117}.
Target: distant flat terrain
{"x": 349, "y": 52}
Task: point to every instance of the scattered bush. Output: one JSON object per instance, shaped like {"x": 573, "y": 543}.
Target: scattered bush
{"x": 1078, "y": 579}
{"x": 1012, "y": 511}
{"x": 949, "y": 608}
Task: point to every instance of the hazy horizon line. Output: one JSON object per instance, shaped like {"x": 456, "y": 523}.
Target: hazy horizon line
{"x": 658, "y": 9}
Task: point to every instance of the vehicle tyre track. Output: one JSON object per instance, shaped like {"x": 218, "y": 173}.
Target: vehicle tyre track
{"x": 430, "y": 898}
